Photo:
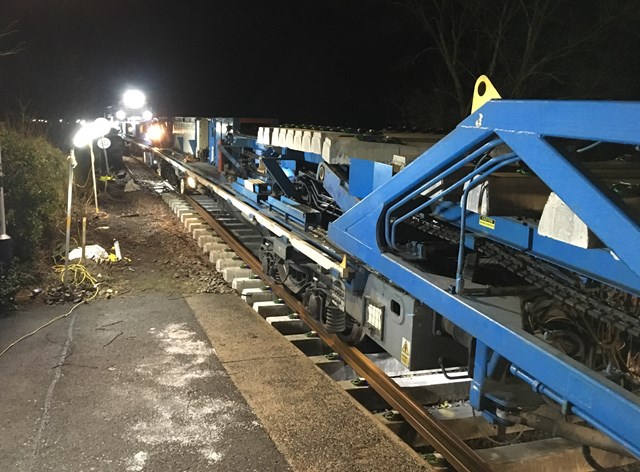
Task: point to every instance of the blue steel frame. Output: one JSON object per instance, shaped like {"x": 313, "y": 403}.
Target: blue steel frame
{"x": 524, "y": 127}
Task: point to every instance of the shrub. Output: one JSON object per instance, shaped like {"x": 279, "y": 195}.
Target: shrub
{"x": 34, "y": 189}
{"x": 11, "y": 280}
{"x": 34, "y": 185}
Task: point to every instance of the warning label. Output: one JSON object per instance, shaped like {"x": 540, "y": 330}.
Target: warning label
{"x": 487, "y": 222}
{"x": 405, "y": 352}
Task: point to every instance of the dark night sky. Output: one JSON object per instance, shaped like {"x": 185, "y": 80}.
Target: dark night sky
{"x": 333, "y": 62}
{"x": 322, "y": 62}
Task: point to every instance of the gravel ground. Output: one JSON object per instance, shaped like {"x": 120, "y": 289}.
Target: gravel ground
{"x": 157, "y": 246}
{"x": 157, "y": 252}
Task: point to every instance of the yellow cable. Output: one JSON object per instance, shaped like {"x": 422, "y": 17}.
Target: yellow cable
{"x": 77, "y": 280}
{"x": 80, "y": 275}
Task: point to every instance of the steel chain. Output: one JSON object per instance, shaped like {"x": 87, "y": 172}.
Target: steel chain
{"x": 529, "y": 269}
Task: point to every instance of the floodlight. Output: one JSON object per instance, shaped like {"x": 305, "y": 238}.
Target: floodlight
{"x": 155, "y": 132}
{"x": 134, "y": 99}
{"x": 82, "y": 137}
{"x": 101, "y": 126}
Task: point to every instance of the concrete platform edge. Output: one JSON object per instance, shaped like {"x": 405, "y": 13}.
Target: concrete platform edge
{"x": 313, "y": 422}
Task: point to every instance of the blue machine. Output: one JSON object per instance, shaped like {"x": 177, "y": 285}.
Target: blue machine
{"x": 530, "y": 130}
{"x": 509, "y": 246}
{"x": 413, "y": 238}
{"x": 227, "y": 134}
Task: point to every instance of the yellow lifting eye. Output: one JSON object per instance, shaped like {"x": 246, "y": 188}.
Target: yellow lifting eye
{"x": 483, "y": 92}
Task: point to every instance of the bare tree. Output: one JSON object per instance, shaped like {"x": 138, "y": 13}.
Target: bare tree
{"x": 525, "y": 46}
{"x": 4, "y": 34}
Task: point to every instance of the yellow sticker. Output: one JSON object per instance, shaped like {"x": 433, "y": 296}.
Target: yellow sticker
{"x": 405, "y": 352}
{"x": 487, "y": 222}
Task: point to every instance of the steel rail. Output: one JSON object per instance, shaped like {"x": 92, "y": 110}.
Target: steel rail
{"x": 452, "y": 448}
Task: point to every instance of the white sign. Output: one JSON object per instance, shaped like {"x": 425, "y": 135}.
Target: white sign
{"x": 103, "y": 143}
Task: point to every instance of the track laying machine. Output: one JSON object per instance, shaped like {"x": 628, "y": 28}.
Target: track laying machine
{"x": 510, "y": 246}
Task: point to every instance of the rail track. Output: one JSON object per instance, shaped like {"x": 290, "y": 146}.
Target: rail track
{"x": 455, "y": 451}
{"x": 218, "y": 212}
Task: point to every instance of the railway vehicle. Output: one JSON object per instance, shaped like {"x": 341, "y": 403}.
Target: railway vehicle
{"x": 509, "y": 247}
{"x": 212, "y": 140}
{"x": 203, "y": 138}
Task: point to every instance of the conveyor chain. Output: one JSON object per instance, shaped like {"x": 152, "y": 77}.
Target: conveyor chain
{"x": 534, "y": 272}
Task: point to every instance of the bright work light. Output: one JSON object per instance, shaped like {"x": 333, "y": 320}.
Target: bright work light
{"x": 90, "y": 131}
{"x": 134, "y": 99}
{"x": 155, "y": 132}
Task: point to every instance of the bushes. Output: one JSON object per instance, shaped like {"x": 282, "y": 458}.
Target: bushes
{"x": 34, "y": 189}
{"x": 11, "y": 280}
{"x": 34, "y": 186}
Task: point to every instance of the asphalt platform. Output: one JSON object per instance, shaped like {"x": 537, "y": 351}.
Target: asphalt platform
{"x": 160, "y": 383}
